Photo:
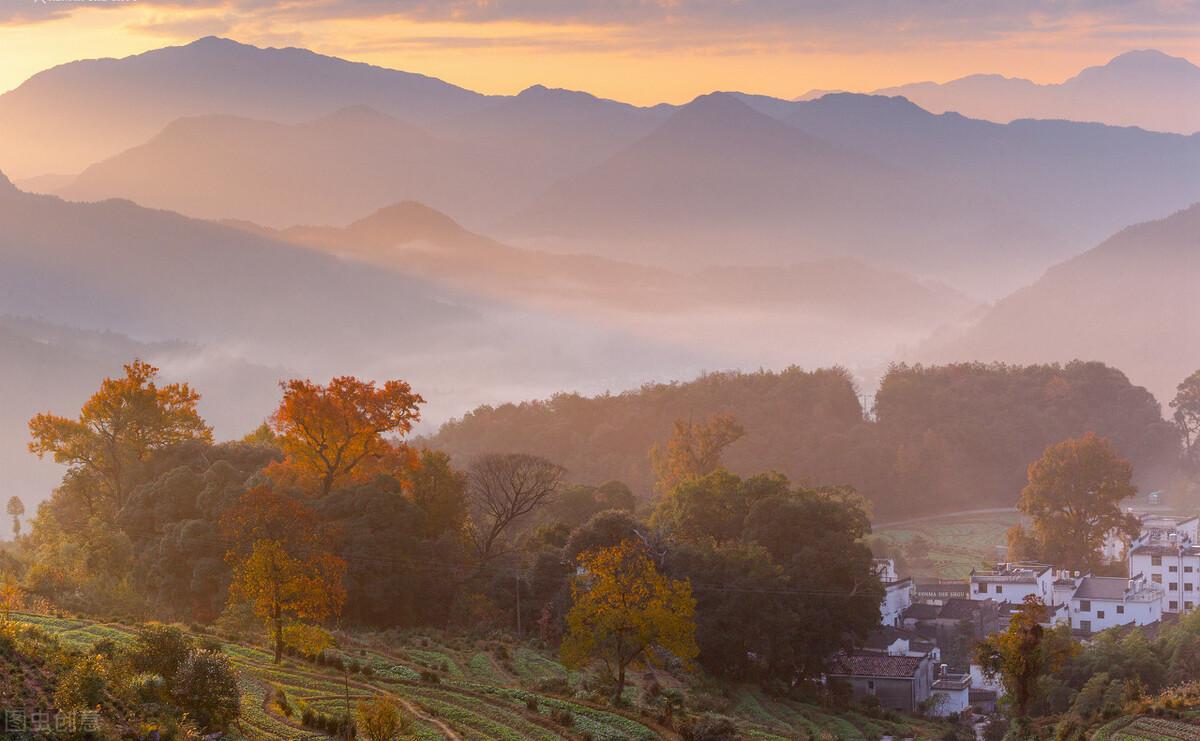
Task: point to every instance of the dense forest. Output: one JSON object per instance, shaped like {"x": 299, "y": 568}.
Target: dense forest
{"x": 954, "y": 436}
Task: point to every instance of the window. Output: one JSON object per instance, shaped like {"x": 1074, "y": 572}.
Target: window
{"x": 1173, "y": 586}
{"x": 981, "y": 588}
{"x": 1188, "y": 569}
{"x": 1156, "y": 578}
{"x": 1120, "y": 609}
{"x": 1188, "y": 586}
{"x": 1156, "y": 560}
{"x": 871, "y": 684}
{"x": 1085, "y": 626}
{"x": 1172, "y": 605}
{"x": 1085, "y": 605}
{"x": 1099, "y": 614}
{"x": 999, "y": 588}
{"x": 1173, "y": 569}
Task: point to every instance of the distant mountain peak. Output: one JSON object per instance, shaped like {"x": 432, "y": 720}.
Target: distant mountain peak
{"x": 6, "y": 185}
{"x": 404, "y": 221}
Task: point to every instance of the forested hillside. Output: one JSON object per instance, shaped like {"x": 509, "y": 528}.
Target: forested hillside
{"x": 956, "y": 436}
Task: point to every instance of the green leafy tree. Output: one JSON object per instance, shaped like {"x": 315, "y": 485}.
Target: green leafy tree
{"x": 714, "y": 506}
{"x": 160, "y": 649}
{"x": 1187, "y": 415}
{"x": 694, "y": 450}
{"x": 206, "y": 688}
{"x": 16, "y": 510}
{"x": 1073, "y": 500}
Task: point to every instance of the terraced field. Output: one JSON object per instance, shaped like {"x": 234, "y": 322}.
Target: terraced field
{"x": 481, "y": 693}
{"x": 1146, "y": 728}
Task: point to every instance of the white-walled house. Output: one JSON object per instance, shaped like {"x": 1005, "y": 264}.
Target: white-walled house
{"x": 949, "y": 693}
{"x": 1102, "y": 602}
{"x": 1013, "y": 582}
{"x": 897, "y": 592}
{"x": 1170, "y": 559}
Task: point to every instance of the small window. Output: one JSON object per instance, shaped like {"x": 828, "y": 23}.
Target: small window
{"x": 1172, "y": 605}
{"x": 1120, "y": 609}
{"x": 1188, "y": 586}
{"x": 1156, "y": 578}
{"x": 1099, "y": 614}
{"x": 1173, "y": 569}
{"x": 1085, "y": 605}
{"x": 999, "y": 588}
{"x": 1188, "y": 569}
{"x": 981, "y": 588}
{"x": 871, "y": 684}
{"x": 1156, "y": 560}
{"x": 1173, "y": 586}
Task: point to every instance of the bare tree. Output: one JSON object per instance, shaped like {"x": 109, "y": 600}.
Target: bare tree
{"x": 502, "y": 489}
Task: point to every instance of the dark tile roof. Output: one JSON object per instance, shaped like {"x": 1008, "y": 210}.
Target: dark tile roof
{"x": 876, "y": 665}
{"x": 884, "y": 636}
{"x": 959, "y": 609}
{"x": 1102, "y": 587}
{"x": 922, "y": 611}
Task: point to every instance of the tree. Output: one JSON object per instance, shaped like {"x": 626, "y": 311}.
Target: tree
{"x": 11, "y": 598}
{"x": 440, "y": 492}
{"x": 16, "y": 508}
{"x": 335, "y": 433}
{"x": 1024, "y": 653}
{"x": 501, "y": 489}
{"x": 380, "y": 720}
{"x": 160, "y": 649}
{"x": 1187, "y": 415}
{"x": 283, "y": 564}
{"x": 282, "y": 588}
{"x": 119, "y": 428}
{"x": 1073, "y": 499}
{"x": 205, "y": 687}
{"x": 694, "y": 450}
{"x": 715, "y": 505}
{"x": 624, "y": 609}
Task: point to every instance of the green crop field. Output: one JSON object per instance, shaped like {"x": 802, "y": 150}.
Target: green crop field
{"x": 956, "y": 544}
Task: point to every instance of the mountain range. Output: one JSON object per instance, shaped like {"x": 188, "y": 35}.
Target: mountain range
{"x": 1130, "y": 301}
{"x": 1143, "y": 88}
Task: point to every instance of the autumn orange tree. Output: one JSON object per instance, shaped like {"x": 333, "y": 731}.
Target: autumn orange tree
{"x": 694, "y": 450}
{"x": 623, "y": 609}
{"x": 119, "y": 428}
{"x": 337, "y": 433}
{"x": 283, "y": 567}
{"x": 1073, "y": 500}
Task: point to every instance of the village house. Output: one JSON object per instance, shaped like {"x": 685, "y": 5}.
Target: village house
{"x": 1168, "y": 555}
{"x": 950, "y": 693}
{"x": 897, "y": 592}
{"x": 1013, "y": 582}
{"x": 1102, "y": 602}
{"x": 901, "y": 683}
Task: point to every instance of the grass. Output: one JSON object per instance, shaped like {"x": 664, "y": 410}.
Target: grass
{"x": 956, "y": 544}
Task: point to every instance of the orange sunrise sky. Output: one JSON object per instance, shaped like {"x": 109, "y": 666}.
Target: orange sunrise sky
{"x": 640, "y": 52}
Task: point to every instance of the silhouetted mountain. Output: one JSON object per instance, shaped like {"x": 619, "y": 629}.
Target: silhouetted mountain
{"x": 329, "y": 170}
{"x": 553, "y": 132}
{"x": 65, "y": 118}
{"x": 1083, "y": 181}
{"x": 1139, "y": 88}
{"x": 719, "y": 182}
{"x": 1131, "y": 301}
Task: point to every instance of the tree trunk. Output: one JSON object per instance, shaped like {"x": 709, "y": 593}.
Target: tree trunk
{"x": 278, "y": 636}
{"x": 620, "y": 685}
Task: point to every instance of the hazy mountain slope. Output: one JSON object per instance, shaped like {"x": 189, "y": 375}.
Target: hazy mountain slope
{"x": 1088, "y": 180}
{"x": 1139, "y": 88}
{"x": 414, "y": 239}
{"x": 157, "y": 275}
{"x": 1131, "y": 301}
{"x": 719, "y": 182}
{"x": 65, "y": 118}
{"x": 329, "y": 170}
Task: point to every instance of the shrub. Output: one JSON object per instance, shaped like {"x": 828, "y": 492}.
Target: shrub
{"x": 380, "y": 720}
{"x": 531, "y": 703}
{"x": 160, "y": 649}
{"x": 709, "y": 728}
{"x": 431, "y": 677}
{"x": 83, "y": 686}
{"x": 564, "y": 718}
{"x": 206, "y": 688}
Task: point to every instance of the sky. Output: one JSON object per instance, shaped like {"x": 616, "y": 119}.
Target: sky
{"x": 641, "y": 51}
